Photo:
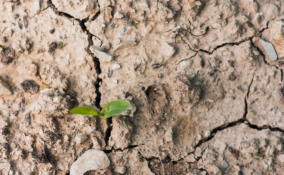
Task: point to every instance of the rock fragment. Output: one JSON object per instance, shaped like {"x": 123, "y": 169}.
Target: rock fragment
{"x": 89, "y": 160}
{"x": 116, "y": 66}
{"x": 118, "y": 15}
{"x": 103, "y": 56}
{"x": 168, "y": 50}
{"x": 269, "y": 49}
{"x": 7, "y": 55}
{"x": 30, "y": 86}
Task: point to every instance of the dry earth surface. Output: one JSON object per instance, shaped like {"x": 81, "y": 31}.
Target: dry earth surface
{"x": 204, "y": 77}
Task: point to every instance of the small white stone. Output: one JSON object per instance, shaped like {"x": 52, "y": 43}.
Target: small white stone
{"x": 224, "y": 165}
{"x": 168, "y": 50}
{"x": 60, "y": 165}
{"x": 80, "y": 138}
{"x": 120, "y": 169}
{"x": 116, "y": 66}
{"x": 118, "y": 15}
{"x": 66, "y": 138}
{"x": 11, "y": 172}
{"x": 190, "y": 158}
{"x": 207, "y": 133}
{"x": 169, "y": 135}
{"x": 115, "y": 81}
{"x": 269, "y": 49}
{"x": 103, "y": 56}
{"x": 143, "y": 4}
{"x": 90, "y": 160}
{"x": 183, "y": 65}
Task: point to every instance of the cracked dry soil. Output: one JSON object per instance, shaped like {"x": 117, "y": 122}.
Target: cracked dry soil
{"x": 206, "y": 97}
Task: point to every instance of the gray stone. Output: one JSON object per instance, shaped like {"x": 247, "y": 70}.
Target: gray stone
{"x": 224, "y": 165}
{"x": 269, "y": 49}
{"x": 168, "y": 50}
{"x": 89, "y": 160}
{"x": 103, "y": 56}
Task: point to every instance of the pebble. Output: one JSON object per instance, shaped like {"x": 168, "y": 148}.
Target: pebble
{"x": 190, "y": 158}
{"x": 169, "y": 135}
{"x": 168, "y": 50}
{"x": 269, "y": 49}
{"x": 224, "y": 165}
{"x": 120, "y": 169}
{"x": 116, "y": 66}
{"x": 90, "y": 160}
{"x": 30, "y": 86}
{"x": 103, "y": 56}
{"x": 183, "y": 65}
{"x": 118, "y": 15}
{"x": 60, "y": 165}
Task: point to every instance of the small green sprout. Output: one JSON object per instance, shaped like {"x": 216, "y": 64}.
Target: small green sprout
{"x": 109, "y": 110}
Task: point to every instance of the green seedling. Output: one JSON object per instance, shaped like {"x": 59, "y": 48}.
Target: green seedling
{"x": 109, "y": 110}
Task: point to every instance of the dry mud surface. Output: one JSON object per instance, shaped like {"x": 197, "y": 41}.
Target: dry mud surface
{"x": 204, "y": 77}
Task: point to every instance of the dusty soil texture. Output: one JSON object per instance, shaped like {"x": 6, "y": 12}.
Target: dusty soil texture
{"x": 204, "y": 77}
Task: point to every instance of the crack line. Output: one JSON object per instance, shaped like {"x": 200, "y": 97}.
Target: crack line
{"x": 96, "y": 61}
{"x": 121, "y": 149}
{"x": 258, "y": 33}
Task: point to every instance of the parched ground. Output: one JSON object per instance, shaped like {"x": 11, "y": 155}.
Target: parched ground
{"x": 206, "y": 89}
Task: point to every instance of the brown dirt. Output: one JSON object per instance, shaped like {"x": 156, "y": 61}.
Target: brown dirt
{"x": 206, "y": 97}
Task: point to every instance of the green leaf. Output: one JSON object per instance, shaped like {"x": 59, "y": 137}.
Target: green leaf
{"x": 84, "y": 110}
{"x": 114, "y": 107}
